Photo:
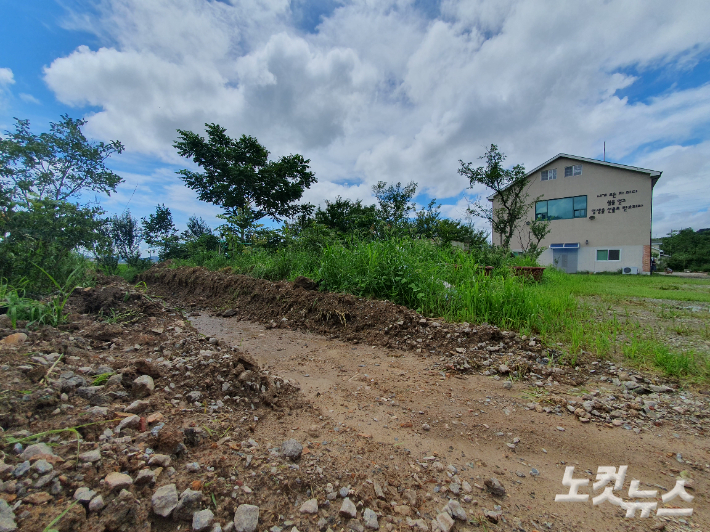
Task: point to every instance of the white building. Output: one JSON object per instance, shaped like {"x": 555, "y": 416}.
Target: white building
{"x": 599, "y": 213}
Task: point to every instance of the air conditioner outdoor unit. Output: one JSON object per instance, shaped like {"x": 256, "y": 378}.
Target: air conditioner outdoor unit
{"x": 630, "y": 270}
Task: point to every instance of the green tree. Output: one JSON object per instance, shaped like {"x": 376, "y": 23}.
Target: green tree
{"x": 347, "y": 216}
{"x": 394, "y": 202}
{"x": 196, "y": 227}
{"x": 127, "y": 236}
{"x": 510, "y": 187}
{"x": 237, "y": 174}
{"x": 56, "y": 165}
{"x": 159, "y": 231}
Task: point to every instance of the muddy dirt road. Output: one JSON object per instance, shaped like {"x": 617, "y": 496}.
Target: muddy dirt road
{"x": 480, "y": 425}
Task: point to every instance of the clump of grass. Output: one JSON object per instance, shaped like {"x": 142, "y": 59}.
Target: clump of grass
{"x": 101, "y": 379}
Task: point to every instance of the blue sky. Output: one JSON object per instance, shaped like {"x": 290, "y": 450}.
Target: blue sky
{"x": 394, "y": 90}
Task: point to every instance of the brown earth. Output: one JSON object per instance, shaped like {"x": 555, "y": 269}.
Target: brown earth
{"x": 404, "y": 413}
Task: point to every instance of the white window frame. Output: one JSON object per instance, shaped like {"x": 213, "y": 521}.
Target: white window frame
{"x": 548, "y": 175}
{"x": 574, "y": 170}
{"x": 607, "y": 255}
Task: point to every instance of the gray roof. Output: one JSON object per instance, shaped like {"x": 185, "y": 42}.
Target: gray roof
{"x": 653, "y": 174}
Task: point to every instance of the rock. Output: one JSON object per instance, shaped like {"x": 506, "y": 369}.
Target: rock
{"x": 188, "y": 504}
{"x": 118, "y": 481}
{"x": 14, "y": 339}
{"x": 7, "y": 517}
{"x": 143, "y": 386}
{"x": 136, "y": 407}
{"x": 36, "y": 449}
{"x": 418, "y": 525}
{"x": 98, "y": 411}
{"x": 96, "y": 504}
{"x": 67, "y": 385}
{"x": 344, "y": 491}
{"x": 84, "y": 495}
{"x": 370, "y": 519}
{"x": 466, "y": 487}
{"x": 162, "y": 460}
{"x": 120, "y": 513}
{"x": 37, "y": 498}
{"x": 445, "y": 522}
{"x": 21, "y": 469}
{"x": 455, "y": 510}
{"x": 378, "y": 490}
{"x": 246, "y": 518}
{"x": 194, "y": 396}
{"x": 403, "y": 510}
{"x": 291, "y": 449}
{"x": 426, "y": 426}
{"x": 145, "y": 477}
{"x": 193, "y": 467}
{"x": 348, "y": 508}
{"x": 495, "y": 487}
{"x": 130, "y": 422}
{"x": 507, "y": 385}
{"x": 353, "y": 524}
{"x": 164, "y": 500}
{"x": 202, "y": 520}
{"x": 90, "y": 456}
{"x": 309, "y": 507}
{"x": 42, "y": 467}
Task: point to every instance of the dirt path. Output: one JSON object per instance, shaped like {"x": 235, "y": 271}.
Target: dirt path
{"x": 400, "y": 399}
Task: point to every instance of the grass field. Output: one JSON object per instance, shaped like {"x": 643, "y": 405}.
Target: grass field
{"x": 606, "y": 316}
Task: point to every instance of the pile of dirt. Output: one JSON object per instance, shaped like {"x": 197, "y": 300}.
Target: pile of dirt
{"x": 126, "y": 403}
{"x": 458, "y": 347}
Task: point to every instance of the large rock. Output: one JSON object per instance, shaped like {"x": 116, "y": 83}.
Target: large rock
{"x": 370, "y": 519}
{"x": 7, "y": 517}
{"x": 188, "y": 504}
{"x": 309, "y": 507}
{"x": 36, "y": 449}
{"x": 246, "y": 518}
{"x": 90, "y": 456}
{"x": 291, "y": 449}
{"x": 454, "y": 509}
{"x": 445, "y": 522}
{"x": 143, "y": 386}
{"x": 14, "y": 339}
{"x": 495, "y": 487}
{"x": 164, "y": 500}
{"x": 118, "y": 481}
{"x": 202, "y": 520}
{"x": 348, "y": 508}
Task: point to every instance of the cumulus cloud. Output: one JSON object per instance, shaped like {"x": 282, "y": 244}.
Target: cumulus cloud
{"x": 386, "y": 91}
{"x": 6, "y": 79}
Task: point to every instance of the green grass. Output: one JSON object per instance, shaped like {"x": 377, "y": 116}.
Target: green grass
{"x": 446, "y": 282}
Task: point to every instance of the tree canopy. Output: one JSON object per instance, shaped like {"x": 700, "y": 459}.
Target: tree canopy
{"x": 56, "y": 165}
{"x": 238, "y": 175}
{"x": 510, "y": 187}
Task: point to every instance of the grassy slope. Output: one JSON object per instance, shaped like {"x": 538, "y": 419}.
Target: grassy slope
{"x": 448, "y": 283}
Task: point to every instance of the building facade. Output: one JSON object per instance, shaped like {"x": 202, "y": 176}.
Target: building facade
{"x": 599, "y": 214}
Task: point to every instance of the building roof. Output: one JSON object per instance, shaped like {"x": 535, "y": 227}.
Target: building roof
{"x": 655, "y": 175}
{"x": 651, "y": 173}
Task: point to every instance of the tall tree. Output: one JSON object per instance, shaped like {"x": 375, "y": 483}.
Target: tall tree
{"x": 127, "y": 237}
{"x": 159, "y": 231}
{"x": 394, "y": 201}
{"x": 56, "y": 165}
{"x": 510, "y": 187}
{"x": 238, "y": 175}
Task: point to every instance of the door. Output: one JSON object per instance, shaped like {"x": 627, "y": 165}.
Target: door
{"x": 565, "y": 259}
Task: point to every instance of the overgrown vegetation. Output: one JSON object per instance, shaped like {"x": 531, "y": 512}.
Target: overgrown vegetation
{"x": 687, "y": 250}
{"x": 387, "y": 250}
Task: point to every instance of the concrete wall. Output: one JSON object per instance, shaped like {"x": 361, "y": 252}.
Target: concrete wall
{"x": 618, "y": 199}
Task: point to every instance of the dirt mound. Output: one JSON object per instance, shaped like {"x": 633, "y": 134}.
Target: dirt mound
{"x": 462, "y": 347}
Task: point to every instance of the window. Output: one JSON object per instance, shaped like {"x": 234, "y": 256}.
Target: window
{"x": 561, "y": 209}
{"x": 608, "y": 254}
{"x": 546, "y": 175}
{"x": 573, "y": 170}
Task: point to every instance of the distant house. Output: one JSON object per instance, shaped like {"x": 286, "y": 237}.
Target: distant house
{"x": 599, "y": 213}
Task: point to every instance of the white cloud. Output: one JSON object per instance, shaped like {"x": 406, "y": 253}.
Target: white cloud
{"x": 29, "y": 98}
{"x": 6, "y": 79}
{"x": 381, "y": 91}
